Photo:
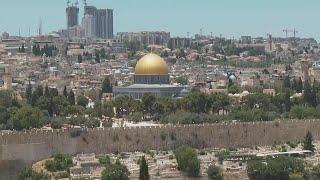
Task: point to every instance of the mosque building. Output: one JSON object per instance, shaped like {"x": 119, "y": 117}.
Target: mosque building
{"x": 151, "y": 76}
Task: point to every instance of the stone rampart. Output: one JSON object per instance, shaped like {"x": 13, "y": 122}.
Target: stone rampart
{"x": 31, "y": 146}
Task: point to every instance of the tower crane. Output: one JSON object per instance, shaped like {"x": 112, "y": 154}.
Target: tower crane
{"x": 85, "y": 3}
{"x": 294, "y": 31}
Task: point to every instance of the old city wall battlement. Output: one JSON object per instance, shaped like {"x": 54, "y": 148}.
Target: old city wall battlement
{"x": 32, "y": 146}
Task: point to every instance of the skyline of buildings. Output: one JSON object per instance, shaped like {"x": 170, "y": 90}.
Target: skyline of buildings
{"x": 95, "y": 22}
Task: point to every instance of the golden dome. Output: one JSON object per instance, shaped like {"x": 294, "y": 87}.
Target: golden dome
{"x": 151, "y": 64}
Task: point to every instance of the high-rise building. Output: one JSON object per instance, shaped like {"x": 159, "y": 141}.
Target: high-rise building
{"x": 88, "y": 25}
{"x": 103, "y": 21}
{"x": 109, "y": 23}
{"x": 72, "y": 16}
{"x": 146, "y": 37}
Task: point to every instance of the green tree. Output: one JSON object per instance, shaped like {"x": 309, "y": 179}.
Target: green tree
{"x": 23, "y": 48}
{"x": 105, "y": 160}
{"x": 59, "y": 104}
{"x": 215, "y": 173}
{"x": 182, "y": 80}
{"x": 277, "y": 168}
{"x": 60, "y": 162}
{"x": 197, "y": 102}
{"x": 126, "y": 105}
{"x": 80, "y": 58}
{"x": 144, "y": 172}
{"x": 103, "y": 53}
{"x": 71, "y": 98}
{"x": 107, "y": 109}
{"x": 46, "y": 91}
{"x": 29, "y": 174}
{"x": 39, "y": 91}
{"x": 65, "y": 92}
{"x": 97, "y": 57}
{"x": 6, "y": 99}
{"x": 309, "y": 95}
{"x": 74, "y": 110}
{"x": 82, "y": 101}
{"x": 286, "y": 82}
{"x": 308, "y": 142}
{"x": 316, "y": 171}
{"x": 92, "y": 123}
{"x": 299, "y": 86}
{"x": 188, "y": 161}
{"x": 29, "y": 93}
{"x": 148, "y": 101}
{"x": 115, "y": 171}
{"x": 302, "y": 112}
{"x": 56, "y": 123}
{"x": 26, "y": 117}
{"x": 106, "y": 85}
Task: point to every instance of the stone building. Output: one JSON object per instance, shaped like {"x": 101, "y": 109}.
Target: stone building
{"x": 151, "y": 76}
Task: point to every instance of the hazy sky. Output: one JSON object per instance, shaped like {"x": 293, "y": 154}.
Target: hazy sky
{"x": 227, "y": 17}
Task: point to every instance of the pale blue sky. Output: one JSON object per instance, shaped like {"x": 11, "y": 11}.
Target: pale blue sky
{"x": 227, "y": 17}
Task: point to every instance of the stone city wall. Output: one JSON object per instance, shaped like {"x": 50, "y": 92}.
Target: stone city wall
{"x": 31, "y": 146}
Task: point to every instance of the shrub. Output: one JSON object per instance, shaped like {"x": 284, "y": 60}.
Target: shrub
{"x": 202, "y": 152}
{"x": 107, "y": 124}
{"x": 316, "y": 171}
{"x": 215, "y": 173}
{"x": 221, "y": 155}
{"x": 62, "y": 175}
{"x": 60, "y": 162}
{"x": 92, "y": 123}
{"x": 104, "y": 160}
{"x": 171, "y": 156}
{"x": 115, "y": 171}
{"x": 56, "y": 123}
{"x": 188, "y": 161}
{"x": 278, "y": 168}
{"x": 28, "y": 173}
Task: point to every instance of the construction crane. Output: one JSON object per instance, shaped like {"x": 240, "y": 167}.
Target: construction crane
{"x": 201, "y": 30}
{"x": 269, "y": 39}
{"x": 85, "y": 3}
{"x": 294, "y": 31}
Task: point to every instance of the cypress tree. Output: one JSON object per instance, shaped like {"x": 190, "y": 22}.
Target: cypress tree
{"x": 71, "y": 98}
{"x": 46, "y": 91}
{"x": 309, "y": 95}
{"x": 299, "y": 86}
{"x": 106, "y": 85}
{"x": 22, "y": 48}
{"x": 286, "y": 82}
{"x": 29, "y": 93}
{"x": 308, "y": 142}
{"x": 144, "y": 172}
{"x": 294, "y": 84}
{"x": 65, "y": 92}
{"x": 287, "y": 101}
{"x": 39, "y": 91}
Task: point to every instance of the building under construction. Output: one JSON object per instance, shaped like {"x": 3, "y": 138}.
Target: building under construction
{"x": 72, "y": 16}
